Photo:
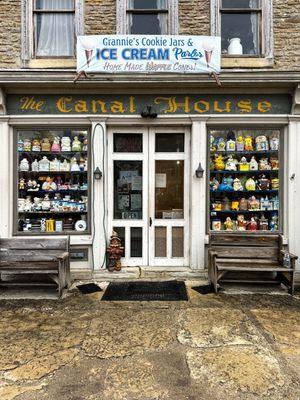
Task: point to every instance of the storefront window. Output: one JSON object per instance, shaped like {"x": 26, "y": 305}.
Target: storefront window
{"x": 52, "y": 178}
{"x": 245, "y": 181}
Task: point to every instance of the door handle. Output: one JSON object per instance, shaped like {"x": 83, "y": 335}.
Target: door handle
{"x": 150, "y": 221}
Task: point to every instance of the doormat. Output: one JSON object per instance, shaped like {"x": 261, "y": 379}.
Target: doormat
{"x": 145, "y": 291}
{"x": 88, "y": 288}
{"x": 204, "y": 289}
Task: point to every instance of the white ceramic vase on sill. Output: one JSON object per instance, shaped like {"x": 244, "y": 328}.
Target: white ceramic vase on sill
{"x": 235, "y": 47}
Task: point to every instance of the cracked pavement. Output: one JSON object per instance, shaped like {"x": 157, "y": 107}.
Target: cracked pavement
{"x": 211, "y": 347}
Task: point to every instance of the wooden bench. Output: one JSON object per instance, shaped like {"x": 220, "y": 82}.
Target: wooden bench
{"x": 36, "y": 256}
{"x": 253, "y": 254}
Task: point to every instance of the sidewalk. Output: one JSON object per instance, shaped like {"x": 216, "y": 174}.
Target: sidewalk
{"x": 211, "y": 347}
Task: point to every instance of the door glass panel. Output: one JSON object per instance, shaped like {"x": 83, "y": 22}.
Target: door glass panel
{"x": 169, "y": 183}
{"x": 120, "y": 230}
{"x": 177, "y": 241}
{"x": 128, "y": 143}
{"x": 160, "y": 241}
{"x": 128, "y": 189}
{"x": 136, "y": 242}
{"x": 169, "y": 142}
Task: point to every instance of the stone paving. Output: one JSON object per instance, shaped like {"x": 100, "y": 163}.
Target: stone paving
{"x": 211, "y": 347}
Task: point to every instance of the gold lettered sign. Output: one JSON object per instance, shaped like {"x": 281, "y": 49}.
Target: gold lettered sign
{"x": 163, "y": 104}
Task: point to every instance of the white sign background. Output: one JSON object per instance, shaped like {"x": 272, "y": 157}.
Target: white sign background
{"x": 148, "y": 54}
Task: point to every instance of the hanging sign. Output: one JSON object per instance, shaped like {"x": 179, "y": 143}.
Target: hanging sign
{"x": 148, "y": 54}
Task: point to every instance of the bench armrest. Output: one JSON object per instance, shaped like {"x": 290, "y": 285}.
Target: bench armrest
{"x": 290, "y": 254}
{"x": 63, "y": 256}
{"x": 212, "y": 253}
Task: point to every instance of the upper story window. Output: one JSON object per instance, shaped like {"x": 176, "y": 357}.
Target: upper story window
{"x": 147, "y": 17}
{"x": 245, "y": 27}
{"x": 54, "y": 28}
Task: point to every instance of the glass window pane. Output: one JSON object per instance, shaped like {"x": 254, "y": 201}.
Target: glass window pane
{"x": 240, "y": 4}
{"x": 128, "y": 143}
{"x": 50, "y": 29}
{"x": 54, "y": 4}
{"x": 136, "y": 242}
{"x": 177, "y": 241}
{"x": 160, "y": 241}
{"x": 244, "y": 26}
{"x": 147, "y": 4}
{"x": 121, "y": 233}
{"x": 53, "y": 181}
{"x": 169, "y": 189}
{"x": 148, "y": 24}
{"x": 128, "y": 189}
{"x": 169, "y": 142}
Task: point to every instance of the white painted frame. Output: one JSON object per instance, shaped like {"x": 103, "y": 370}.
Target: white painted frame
{"x": 122, "y": 18}
{"x": 267, "y": 40}
{"x": 169, "y": 261}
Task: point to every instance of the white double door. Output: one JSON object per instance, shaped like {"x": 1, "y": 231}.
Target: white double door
{"x": 148, "y": 194}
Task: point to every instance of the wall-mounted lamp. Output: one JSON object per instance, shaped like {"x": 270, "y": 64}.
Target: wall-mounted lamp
{"x": 97, "y": 174}
{"x": 148, "y": 112}
{"x": 199, "y": 171}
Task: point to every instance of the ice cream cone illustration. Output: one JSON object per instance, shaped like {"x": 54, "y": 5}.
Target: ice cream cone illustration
{"x": 88, "y": 45}
{"x": 208, "y": 48}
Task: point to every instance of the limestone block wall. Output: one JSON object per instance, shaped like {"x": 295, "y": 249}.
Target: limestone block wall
{"x": 10, "y": 33}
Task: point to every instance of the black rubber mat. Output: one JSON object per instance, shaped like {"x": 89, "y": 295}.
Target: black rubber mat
{"x": 145, "y": 291}
{"x": 89, "y": 288}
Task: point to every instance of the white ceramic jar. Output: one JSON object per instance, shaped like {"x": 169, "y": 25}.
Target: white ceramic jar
{"x": 235, "y": 47}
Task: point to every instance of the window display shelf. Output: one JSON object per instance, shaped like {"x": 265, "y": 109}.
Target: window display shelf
{"x": 241, "y": 211}
{"x": 52, "y": 153}
{"x": 236, "y": 192}
{"x": 33, "y": 192}
{"x": 53, "y": 172}
{"x": 52, "y": 212}
{"x": 245, "y": 153}
{"x": 261, "y": 171}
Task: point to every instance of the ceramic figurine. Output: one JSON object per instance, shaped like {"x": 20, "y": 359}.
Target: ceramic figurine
{"x": 24, "y": 165}
{"x": 274, "y": 163}
{"x": 217, "y": 206}
{"x": 74, "y": 164}
{"x": 50, "y": 225}
{"x": 274, "y": 142}
{"x": 230, "y": 164}
{"x": 55, "y": 148}
{"x": 263, "y": 223}
{"x": 221, "y": 145}
{"x": 263, "y": 164}
{"x": 21, "y": 184}
{"x": 219, "y": 163}
{"x": 64, "y": 166}
{"x": 230, "y": 145}
{"x": 36, "y": 145}
{"x": 45, "y": 144}
{"x": 230, "y": 183}
{"x": 43, "y": 224}
{"x": 235, "y": 47}
{"x": 273, "y": 225}
{"x": 226, "y": 204}
{"x": 85, "y": 144}
{"x": 27, "y": 225}
{"x": 275, "y": 183}
{"x": 248, "y": 146}
{"x": 214, "y": 184}
{"x": 54, "y": 165}
{"x": 253, "y": 204}
{"x": 275, "y": 203}
{"x": 237, "y": 186}
{"x": 27, "y": 145}
{"x": 252, "y": 225}
{"x": 84, "y": 186}
{"x": 250, "y": 184}
{"x": 243, "y": 204}
{"x": 243, "y": 164}
{"x": 65, "y": 143}
{"x": 261, "y": 143}
{"x": 20, "y": 144}
{"x": 76, "y": 144}
{"x": 33, "y": 187}
{"x": 240, "y": 143}
{"x": 49, "y": 184}
{"x": 46, "y": 203}
{"x": 35, "y": 165}
{"x": 82, "y": 164}
{"x": 28, "y": 204}
{"x": 265, "y": 203}
{"x": 263, "y": 183}
{"x": 21, "y": 204}
{"x": 216, "y": 225}
{"x": 44, "y": 164}
{"x": 228, "y": 224}
{"x": 253, "y": 164}
{"x": 235, "y": 205}
{"x": 225, "y": 186}
{"x": 213, "y": 147}
{"x": 37, "y": 204}
{"x": 58, "y": 226}
{"x": 241, "y": 223}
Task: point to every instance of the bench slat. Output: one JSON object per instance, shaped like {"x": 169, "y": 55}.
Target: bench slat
{"x": 236, "y": 239}
{"x": 246, "y": 252}
{"x": 247, "y": 268}
{"x": 35, "y": 244}
{"x": 246, "y": 261}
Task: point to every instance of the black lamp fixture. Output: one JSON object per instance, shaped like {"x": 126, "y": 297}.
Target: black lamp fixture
{"x": 97, "y": 174}
{"x": 148, "y": 112}
{"x": 199, "y": 171}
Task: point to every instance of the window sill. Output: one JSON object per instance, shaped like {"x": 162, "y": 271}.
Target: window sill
{"x": 247, "y": 62}
{"x": 52, "y": 63}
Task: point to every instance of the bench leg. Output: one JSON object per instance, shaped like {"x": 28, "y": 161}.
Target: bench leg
{"x": 68, "y": 273}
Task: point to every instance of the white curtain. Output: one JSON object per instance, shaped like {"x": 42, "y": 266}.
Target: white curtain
{"x": 55, "y": 32}
{"x": 254, "y": 26}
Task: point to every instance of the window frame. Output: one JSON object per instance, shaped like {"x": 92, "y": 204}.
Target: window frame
{"x": 266, "y": 29}
{"x": 28, "y": 34}
{"x": 123, "y": 13}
